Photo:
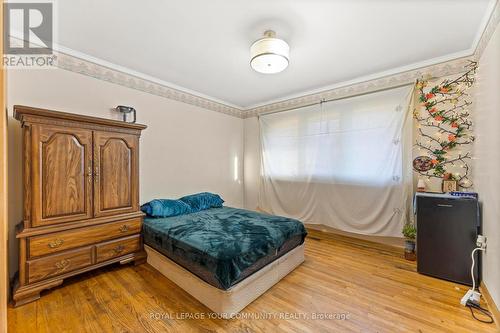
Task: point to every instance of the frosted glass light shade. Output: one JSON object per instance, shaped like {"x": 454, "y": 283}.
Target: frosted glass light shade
{"x": 269, "y": 55}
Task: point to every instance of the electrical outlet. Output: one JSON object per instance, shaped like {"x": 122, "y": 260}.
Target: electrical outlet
{"x": 481, "y": 241}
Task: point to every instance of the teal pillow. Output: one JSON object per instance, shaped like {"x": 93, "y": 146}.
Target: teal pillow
{"x": 165, "y": 208}
{"x": 202, "y": 201}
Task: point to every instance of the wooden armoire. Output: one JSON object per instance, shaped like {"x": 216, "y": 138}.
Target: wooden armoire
{"x": 81, "y": 197}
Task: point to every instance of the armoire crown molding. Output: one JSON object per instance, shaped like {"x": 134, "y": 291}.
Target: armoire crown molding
{"x": 82, "y": 64}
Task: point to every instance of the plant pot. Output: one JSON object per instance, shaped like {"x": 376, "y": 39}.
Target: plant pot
{"x": 410, "y": 250}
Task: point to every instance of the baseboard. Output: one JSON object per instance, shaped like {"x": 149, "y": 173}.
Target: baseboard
{"x": 392, "y": 241}
{"x": 491, "y": 304}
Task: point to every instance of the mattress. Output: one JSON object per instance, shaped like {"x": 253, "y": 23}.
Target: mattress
{"x": 224, "y": 245}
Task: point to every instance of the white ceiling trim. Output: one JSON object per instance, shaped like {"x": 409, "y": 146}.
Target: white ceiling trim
{"x": 81, "y": 63}
{"x": 443, "y": 69}
{"x": 371, "y": 77}
{"x": 490, "y": 26}
{"x": 437, "y": 67}
{"x": 139, "y": 82}
{"x": 107, "y": 64}
{"x": 85, "y": 64}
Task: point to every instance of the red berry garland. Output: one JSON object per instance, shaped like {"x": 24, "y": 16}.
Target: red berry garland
{"x": 446, "y": 115}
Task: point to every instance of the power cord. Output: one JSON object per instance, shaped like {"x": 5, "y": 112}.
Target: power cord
{"x": 472, "y": 267}
{"x": 474, "y": 297}
{"x": 472, "y": 305}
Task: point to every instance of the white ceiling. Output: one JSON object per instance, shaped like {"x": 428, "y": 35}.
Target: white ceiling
{"x": 203, "y": 46}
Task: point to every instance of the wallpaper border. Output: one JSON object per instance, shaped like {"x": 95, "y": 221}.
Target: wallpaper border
{"x": 438, "y": 70}
{"x": 85, "y": 67}
{"x": 81, "y": 66}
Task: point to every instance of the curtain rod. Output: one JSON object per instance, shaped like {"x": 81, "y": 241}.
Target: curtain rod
{"x": 335, "y": 99}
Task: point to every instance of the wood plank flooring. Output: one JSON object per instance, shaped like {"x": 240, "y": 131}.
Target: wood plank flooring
{"x": 344, "y": 285}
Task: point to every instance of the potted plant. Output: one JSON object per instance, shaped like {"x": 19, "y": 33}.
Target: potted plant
{"x": 410, "y": 233}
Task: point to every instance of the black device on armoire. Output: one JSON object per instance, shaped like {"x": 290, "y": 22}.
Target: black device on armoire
{"x": 447, "y": 230}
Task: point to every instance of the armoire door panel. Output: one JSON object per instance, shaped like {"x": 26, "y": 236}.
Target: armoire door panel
{"x": 116, "y": 160}
{"x": 115, "y": 170}
{"x": 62, "y": 174}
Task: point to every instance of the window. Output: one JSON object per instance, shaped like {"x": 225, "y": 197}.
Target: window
{"x": 354, "y": 141}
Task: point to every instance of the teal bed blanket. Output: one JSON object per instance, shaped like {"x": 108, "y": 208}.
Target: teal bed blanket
{"x": 223, "y": 245}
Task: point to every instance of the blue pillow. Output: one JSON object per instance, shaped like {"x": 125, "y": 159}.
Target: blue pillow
{"x": 202, "y": 201}
{"x": 165, "y": 208}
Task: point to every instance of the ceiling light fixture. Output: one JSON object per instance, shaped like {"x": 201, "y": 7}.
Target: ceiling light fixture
{"x": 269, "y": 54}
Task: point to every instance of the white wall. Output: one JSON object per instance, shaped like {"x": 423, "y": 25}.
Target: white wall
{"x": 252, "y": 162}
{"x": 185, "y": 149}
{"x": 487, "y": 159}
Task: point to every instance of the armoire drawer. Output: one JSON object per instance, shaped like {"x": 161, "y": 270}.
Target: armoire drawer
{"x": 117, "y": 248}
{"x": 58, "y": 264}
{"x": 59, "y": 241}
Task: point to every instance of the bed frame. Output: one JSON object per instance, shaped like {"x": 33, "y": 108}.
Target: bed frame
{"x": 227, "y": 303}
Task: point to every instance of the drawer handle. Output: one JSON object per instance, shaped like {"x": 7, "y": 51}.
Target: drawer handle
{"x": 119, "y": 249}
{"x": 124, "y": 228}
{"x": 62, "y": 264}
{"x": 55, "y": 244}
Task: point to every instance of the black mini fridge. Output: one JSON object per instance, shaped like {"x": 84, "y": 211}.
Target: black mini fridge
{"x": 447, "y": 229}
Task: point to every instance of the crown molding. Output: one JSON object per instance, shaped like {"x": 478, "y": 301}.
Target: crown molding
{"x": 370, "y": 77}
{"x": 81, "y": 63}
{"x": 452, "y": 64}
{"x": 488, "y": 31}
{"x": 385, "y": 82}
{"x": 107, "y": 64}
{"x": 123, "y": 78}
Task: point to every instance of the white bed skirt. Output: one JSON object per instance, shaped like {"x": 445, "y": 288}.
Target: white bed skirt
{"x": 227, "y": 303}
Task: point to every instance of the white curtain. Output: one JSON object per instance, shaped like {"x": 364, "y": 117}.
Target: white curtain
{"x": 345, "y": 164}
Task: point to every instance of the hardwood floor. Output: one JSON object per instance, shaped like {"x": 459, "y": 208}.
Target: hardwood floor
{"x": 371, "y": 284}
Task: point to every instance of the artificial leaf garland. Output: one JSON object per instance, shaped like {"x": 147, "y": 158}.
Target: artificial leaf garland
{"x": 444, "y": 126}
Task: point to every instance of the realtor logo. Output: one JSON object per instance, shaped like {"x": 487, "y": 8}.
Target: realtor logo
{"x": 28, "y": 34}
{"x": 33, "y": 23}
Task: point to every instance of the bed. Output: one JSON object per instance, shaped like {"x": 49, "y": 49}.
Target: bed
{"x": 225, "y": 257}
